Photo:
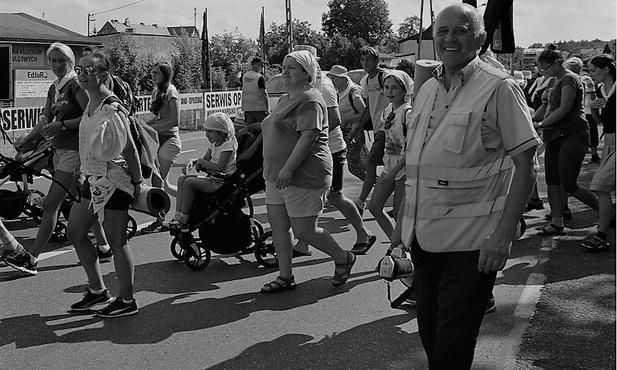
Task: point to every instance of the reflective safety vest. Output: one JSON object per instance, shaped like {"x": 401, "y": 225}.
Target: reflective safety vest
{"x": 455, "y": 189}
{"x": 253, "y": 98}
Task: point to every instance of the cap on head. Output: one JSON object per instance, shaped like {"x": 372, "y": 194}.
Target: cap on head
{"x": 257, "y": 60}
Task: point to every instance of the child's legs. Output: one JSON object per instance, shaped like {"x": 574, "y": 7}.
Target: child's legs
{"x": 383, "y": 189}
{"x": 181, "y": 181}
{"x": 193, "y": 185}
{"x": 399, "y": 195}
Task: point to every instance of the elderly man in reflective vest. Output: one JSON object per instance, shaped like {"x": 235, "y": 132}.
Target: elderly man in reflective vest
{"x": 469, "y": 175}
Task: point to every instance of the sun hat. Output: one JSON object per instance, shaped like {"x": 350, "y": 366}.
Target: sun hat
{"x": 338, "y": 71}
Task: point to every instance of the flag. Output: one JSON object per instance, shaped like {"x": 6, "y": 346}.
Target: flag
{"x": 205, "y": 54}
{"x": 262, "y": 35}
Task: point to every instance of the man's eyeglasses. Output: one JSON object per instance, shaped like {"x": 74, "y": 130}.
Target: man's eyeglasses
{"x": 89, "y": 70}
{"x": 389, "y": 120}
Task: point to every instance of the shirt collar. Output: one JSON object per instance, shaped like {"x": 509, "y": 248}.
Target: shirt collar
{"x": 465, "y": 72}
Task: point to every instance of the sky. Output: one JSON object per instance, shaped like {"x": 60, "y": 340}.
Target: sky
{"x": 534, "y": 20}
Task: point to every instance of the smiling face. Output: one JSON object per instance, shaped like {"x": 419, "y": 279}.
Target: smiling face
{"x": 369, "y": 63}
{"x": 394, "y": 91}
{"x": 293, "y": 74}
{"x": 89, "y": 73}
{"x": 59, "y": 63}
{"x": 456, "y": 41}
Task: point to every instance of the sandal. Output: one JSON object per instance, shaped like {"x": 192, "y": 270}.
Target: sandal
{"x": 280, "y": 284}
{"x": 175, "y": 224}
{"x": 362, "y": 248}
{"x": 551, "y": 229}
{"x": 340, "y": 278}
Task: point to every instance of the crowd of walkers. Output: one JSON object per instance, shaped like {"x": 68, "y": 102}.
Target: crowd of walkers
{"x": 459, "y": 160}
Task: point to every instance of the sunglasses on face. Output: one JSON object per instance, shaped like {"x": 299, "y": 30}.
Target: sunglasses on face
{"x": 88, "y": 70}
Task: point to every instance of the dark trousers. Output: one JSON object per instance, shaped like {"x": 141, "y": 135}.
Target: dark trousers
{"x": 452, "y": 296}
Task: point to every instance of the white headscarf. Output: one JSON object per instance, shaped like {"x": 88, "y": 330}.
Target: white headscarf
{"x": 220, "y": 122}
{"x": 403, "y": 79}
{"x": 308, "y": 62}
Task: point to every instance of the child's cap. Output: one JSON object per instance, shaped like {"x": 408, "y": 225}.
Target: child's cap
{"x": 220, "y": 122}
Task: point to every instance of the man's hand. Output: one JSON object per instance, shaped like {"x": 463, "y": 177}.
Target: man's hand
{"x": 494, "y": 253}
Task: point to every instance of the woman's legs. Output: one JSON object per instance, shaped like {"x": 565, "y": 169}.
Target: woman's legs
{"x": 115, "y": 225}
{"x": 605, "y": 211}
{"x": 53, "y": 200}
{"x": 571, "y": 156}
{"x": 383, "y": 190}
{"x": 281, "y": 237}
{"x": 399, "y": 195}
{"x": 80, "y": 221}
{"x": 305, "y": 228}
{"x": 351, "y": 213}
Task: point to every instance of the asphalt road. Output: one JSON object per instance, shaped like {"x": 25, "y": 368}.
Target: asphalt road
{"x": 217, "y": 319}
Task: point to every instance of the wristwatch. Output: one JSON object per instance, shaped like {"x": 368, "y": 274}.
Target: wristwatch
{"x": 63, "y": 126}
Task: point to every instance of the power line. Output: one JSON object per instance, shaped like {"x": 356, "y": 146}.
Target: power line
{"x": 120, "y": 7}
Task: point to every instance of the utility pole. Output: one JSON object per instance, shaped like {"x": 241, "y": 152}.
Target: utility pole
{"x": 289, "y": 25}
{"x": 195, "y": 17}
{"x": 205, "y": 54}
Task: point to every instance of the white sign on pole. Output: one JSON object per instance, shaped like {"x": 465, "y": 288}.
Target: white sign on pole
{"x": 32, "y": 83}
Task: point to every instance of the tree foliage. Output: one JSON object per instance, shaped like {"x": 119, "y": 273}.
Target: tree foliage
{"x": 223, "y": 50}
{"x": 187, "y": 63}
{"x": 367, "y": 19}
{"x": 409, "y": 27}
{"x": 303, "y": 34}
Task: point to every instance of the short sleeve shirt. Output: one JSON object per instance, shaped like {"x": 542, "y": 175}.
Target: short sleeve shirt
{"x": 226, "y": 146}
{"x": 64, "y": 108}
{"x": 373, "y": 91}
{"x": 165, "y": 110}
{"x": 330, "y": 97}
{"x": 281, "y": 132}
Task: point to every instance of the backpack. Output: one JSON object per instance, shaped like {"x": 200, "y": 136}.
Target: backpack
{"x": 368, "y": 126}
{"x": 124, "y": 92}
{"x": 350, "y": 96}
{"x": 145, "y": 138}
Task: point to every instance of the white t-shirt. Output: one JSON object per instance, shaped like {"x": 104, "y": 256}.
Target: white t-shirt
{"x": 227, "y": 146}
{"x": 335, "y": 136}
{"x": 377, "y": 101}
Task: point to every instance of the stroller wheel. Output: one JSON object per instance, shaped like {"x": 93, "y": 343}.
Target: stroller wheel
{"x": 131, "y": 227}
{"x": 196, "y": 256}
{"x": 176, "y": 248}
{"x": 257, "y": 229}
{"x": 265, "y": 252}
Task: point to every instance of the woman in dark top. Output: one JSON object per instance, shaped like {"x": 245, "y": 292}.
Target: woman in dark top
{"x": 566, "y": 135}
{"x": 602, "y": 69}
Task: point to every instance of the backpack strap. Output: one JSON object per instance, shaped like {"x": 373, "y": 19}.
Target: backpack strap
{"x": 405, "y": 122}
{"x": 350, "y": 96}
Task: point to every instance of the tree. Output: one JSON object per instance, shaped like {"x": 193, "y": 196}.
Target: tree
{"x": 368, "y": 19}
{"x": 187, "y": 63}
{"x": 409, "y": 27}
{"x": 223, "y": 50}
{"x": 303, "y": 34}
{"x": 125, "y": 60}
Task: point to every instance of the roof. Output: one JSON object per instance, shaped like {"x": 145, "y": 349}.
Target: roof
{"x": 115, "y": 26}
{"x": 426, "y": 35}
{"x": 24, "y": 28}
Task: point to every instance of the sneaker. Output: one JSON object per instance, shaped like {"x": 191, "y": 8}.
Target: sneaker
{"x": 595, "y": 244}
{"x": 91, "y": 299}
{"x": 118, "y": 308}
{"x": 104, "y": 256}
{"x": 491, "y": 306}
{"x": 23, "y": 263}
{"x": 154, "y": 227}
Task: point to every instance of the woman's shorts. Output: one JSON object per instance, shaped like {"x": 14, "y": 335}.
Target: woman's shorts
{"x": 604, "y": 178}
{"x": 339, "y": 159}
{"x": 299, "y": 202}
{"x": 170, "y": 149}
{"x": 66, "y": 160}
{"x": 119, "y": 200}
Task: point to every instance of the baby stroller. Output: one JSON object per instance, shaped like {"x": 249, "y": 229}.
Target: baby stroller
{"x": 220, "y": 219}
{"x": 21, "y": 171}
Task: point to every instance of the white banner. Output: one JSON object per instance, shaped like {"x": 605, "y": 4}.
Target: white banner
{"x": 222, "y": 101}
{"x": 31, "y": 83}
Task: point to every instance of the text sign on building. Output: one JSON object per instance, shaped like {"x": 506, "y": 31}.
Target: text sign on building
{"x": 192, "y": 101}
{"x": 227, "y": 102}
{"x": 25, "y": 56}
{"x": 33, "y": 83}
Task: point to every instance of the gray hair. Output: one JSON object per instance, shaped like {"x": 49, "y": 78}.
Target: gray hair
{"x": 64, "y": 49}
{"x": 476, "y": 21}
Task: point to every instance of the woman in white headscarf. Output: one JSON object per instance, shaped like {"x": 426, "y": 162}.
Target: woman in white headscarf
{"x": 59, "y": 122}
{"x": 298, "y": 171}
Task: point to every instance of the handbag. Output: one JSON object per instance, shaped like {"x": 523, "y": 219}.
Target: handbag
{"x": 395, "y": 266}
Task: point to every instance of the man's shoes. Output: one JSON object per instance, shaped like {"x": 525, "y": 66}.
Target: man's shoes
{"x": 118, "y": 308}
{"x": 90, "y": 300}
{"x": 22, "y": 262}
{"x": 154, "y": 227}
{"x": 595, "y": 244}
{"x": 491, "y": 306}
{"x": 104, "y": 256}
{"x": 534, "y": 204}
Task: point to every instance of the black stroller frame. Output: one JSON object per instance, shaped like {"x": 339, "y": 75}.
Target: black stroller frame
{"x": 221, "y": 218}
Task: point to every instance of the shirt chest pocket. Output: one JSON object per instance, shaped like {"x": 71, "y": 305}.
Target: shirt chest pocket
{"x": 454, "y": 135}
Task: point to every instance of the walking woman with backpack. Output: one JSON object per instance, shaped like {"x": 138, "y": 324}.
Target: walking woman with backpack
{"x": 110, "y": 161}
{"x": 166, "y": 110}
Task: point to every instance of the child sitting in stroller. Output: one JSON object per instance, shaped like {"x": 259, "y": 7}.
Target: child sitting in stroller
{"x": 220, "y": 157}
